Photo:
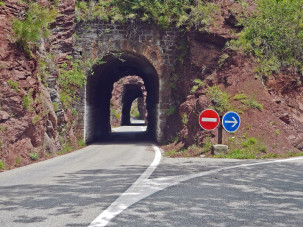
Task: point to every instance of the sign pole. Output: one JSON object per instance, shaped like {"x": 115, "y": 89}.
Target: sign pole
{"x": 220, "y": 130}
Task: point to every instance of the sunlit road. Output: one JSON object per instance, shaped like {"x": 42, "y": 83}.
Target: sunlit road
{"x": 120, "y": 183}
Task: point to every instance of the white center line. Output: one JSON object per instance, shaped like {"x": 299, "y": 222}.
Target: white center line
{"x": 135, "y": 193}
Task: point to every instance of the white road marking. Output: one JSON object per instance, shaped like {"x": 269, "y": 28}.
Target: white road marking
{"x": 145, "y": 187}
{"x": 208, "y": 119}
{"x": 134, "y": 194}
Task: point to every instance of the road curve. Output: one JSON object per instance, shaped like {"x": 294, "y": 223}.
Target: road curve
{"x": 73, "y": 189}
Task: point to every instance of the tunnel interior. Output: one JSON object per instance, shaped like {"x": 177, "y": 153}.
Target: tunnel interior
{"x": 131, "y": 92}
{"x": 99, "y": 92}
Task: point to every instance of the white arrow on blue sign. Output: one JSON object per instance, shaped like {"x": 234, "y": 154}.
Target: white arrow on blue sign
{"x": 231, "y": 121}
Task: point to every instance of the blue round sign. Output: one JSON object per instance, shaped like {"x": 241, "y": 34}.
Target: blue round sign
{"x": 231, "y": 121}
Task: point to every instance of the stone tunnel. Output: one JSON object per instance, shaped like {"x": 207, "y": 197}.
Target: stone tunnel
{"x": 131, "y": 49}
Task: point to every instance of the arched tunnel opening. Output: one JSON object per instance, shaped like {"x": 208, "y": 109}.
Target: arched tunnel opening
{"x": 99, "y": 92}
{"x": 131, "y": 93}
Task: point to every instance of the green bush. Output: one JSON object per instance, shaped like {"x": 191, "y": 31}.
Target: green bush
{"x": 198, "y": 84}
{"x": 220, "y": 99}
{"x": 14, "y": 85}
{"x": 34, "y": 156}
{"x": 70, "y": 79}
{"x": 187, "y": 13}
{"x": 28, "y": 100}
{"x": 1, "y": 165}
{"x": 35, "y": 25}
{"x": 274, "y": 35}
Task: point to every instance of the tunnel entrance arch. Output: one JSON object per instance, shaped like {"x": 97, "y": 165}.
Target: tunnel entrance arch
{"x": 99, "y": 91}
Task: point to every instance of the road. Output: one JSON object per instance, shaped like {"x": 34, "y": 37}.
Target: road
{"x": 121, "y": 184}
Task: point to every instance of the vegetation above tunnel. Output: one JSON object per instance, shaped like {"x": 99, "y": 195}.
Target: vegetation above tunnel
{"x": 185, "y": 13}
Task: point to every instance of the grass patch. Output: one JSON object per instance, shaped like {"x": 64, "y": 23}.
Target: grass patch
{"x": 81, "y": 143}
{"x": 249, "y": 102}
{"x": 36, "y": 119}
{"x": 3, "y": 128}
{"x": 33, "y": 156}
{"x": 2, "y": 165}
{"x": 246, "y": 148}
{"x": 28, "y": 100}
{"x": 191, "y": 151}
{"x": 67, "y": 147}
{"x": 197, "y": 84}
{"x": 13, "y": 85}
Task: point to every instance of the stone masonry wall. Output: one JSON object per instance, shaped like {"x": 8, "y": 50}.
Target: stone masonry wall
{"x": 159, "y": 47}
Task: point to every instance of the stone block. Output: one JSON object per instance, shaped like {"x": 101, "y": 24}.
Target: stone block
{"x": 218, "y": 149}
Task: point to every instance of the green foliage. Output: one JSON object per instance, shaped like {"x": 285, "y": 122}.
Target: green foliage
{"x": 207, "y": 145}
{"x": 115, "y": 113}
{"x": 36, "y": 119}
{"x": 198, "y": 84}
{"x": 134, "y": 112}
{"x": 67, "y": 147}
{"x": 56, "y": 106}
{"x": 35, "y": 25}
{"x": 33, "y": 156}
{"x": 249, "y": 102}
{"x": 223, "y": 59}
{"x": 171, "y": 110}
{"x": 274, "y": 35}
{"x": 71, "y": 78}
{"x": 219, "y": 98}
{"x": 277, "y": 132}
{"x": 191, "y": 151}
{"x": 17, "y": 161}
{"x": 81, "y": 143}
{"x": 14, "y": 85}
{"x": 250, "y": 148}
{"x": 240, "y": 96}
{"x": 184, "y": 119}
{"x": 3, "y": 128}
{"x": 2, "y": 3}
{"x": 181, "y": 13}
{"x": 2, "y": 165}
{"x": 28, "y": 100}
{"x": 252, "y": 103}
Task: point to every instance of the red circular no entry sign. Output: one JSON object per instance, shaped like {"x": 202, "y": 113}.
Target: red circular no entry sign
{"x": 209, "y": 119}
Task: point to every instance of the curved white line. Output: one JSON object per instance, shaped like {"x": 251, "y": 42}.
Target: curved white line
{"x": 135, "y": 193}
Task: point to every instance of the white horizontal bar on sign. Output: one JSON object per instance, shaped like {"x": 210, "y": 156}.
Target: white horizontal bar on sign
{"x": 207, "y": 119}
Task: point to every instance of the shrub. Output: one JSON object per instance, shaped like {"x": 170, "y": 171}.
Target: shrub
{"x": 219, "y": 98}
{"x": 274, "y": 35}
{"x": 1, "y": 165}
{"x": 198, "y": 84}
{"x": 33, "y": 156}
{"x": 14, "y": 85}
{"x": 35, "y": 25}
{"x": 171, "y": 110}
{"x": 187, "y": 13}
{"x": 28, "y": 100}
{"x": 70, "y": 79}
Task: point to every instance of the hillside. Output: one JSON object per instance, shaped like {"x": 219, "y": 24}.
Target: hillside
{"x": 227, "y": 59}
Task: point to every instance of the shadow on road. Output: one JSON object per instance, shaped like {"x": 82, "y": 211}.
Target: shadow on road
{"x": 270, "y": 195}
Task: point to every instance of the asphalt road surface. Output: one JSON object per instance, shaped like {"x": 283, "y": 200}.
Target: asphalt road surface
{"x": 128, "y": 183}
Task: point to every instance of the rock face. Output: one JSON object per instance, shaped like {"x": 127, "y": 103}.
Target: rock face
{"x": 28, "y": 120}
